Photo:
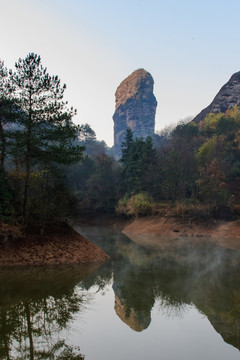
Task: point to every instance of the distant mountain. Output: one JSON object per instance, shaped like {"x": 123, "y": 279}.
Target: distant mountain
{"x": 227, "y": 97}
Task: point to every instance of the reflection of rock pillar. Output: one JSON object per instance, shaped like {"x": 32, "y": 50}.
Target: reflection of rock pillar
{"x": 135, "y": 108}
{"x": 136, "y": 320}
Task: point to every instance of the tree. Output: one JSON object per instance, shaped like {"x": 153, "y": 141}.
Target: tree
{"x": 102, "y": 186}
{"x": 87, "y": 134}
{"x": 138, "y": 159}
{"x": 45, "y": 132}
{"x": 177, "y": 163}
{"x": 3, "y": 77}
{"x": 127, "y": 146}
{"x": 128, "y": 163}
{"x": 6, "y": 198}
{"x": 88, "y": 139}
{"x": 218, "y": 157}
{"x": 6, "y": 112}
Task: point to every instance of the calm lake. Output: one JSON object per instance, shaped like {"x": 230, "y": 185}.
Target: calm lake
{"x": 181, "y": 302}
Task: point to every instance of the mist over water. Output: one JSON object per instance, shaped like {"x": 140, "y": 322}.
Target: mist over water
{"x": 180, "y": 302}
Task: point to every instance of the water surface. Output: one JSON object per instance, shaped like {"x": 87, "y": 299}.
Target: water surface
{"x": 180, "y": 302}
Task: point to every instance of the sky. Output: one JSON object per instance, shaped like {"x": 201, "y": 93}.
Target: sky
{"x": 190, "y": 47}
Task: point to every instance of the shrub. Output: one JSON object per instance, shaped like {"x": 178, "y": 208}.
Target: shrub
{"x": 138, "y": 205}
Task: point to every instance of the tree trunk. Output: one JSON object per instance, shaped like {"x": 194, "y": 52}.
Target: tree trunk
{"x": 28, "y": 163}
{"x": 26, "y": 190}
{"x": 29, "y": 326}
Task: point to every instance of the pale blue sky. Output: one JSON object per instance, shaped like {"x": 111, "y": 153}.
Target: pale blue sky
{"x": 191, "y": 48}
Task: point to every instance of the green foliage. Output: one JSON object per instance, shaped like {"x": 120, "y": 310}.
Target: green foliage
{"x": 95, "y": 183}
{"x": 102, "y": 185}
{"x": 206, "y": 151}
{"x": 87, "y": 134}
{"x": 177, "y": 164}
{"x": 49, "y": 199}
{"x": 138, "y": 205}
{"x": 186, "y": 130}
{"x": 44, "y": 132}
{"x": 221, "y": 124}
{"x": 7, "y": 113}
{"x": 138, "y": 161}
{"x": 218, "y": 158}
{"x": 36, "y": 131}
{"x": 87, "y": 138}
{"x": 209, "y": 124}
{"x": 78, "y": 174}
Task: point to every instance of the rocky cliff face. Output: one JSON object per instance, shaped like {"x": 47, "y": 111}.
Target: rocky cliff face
{"x": 228, "y": 96}
{"x": 135, "y": 108}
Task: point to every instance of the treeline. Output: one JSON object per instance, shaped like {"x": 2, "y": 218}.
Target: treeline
{"x": 195, "y": 169}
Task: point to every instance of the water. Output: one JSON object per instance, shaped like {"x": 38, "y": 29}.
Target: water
{"x": 180, "y": 301}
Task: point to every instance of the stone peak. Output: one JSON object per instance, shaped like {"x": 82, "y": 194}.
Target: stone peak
{"x": 235, "y": 77}
{"x": 139, "y": 80}
{"x": 227, "y": 97}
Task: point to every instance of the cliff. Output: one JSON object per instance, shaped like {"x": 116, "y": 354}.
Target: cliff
{"x": 135, "y": 108}
{"x": 227, "y": 97}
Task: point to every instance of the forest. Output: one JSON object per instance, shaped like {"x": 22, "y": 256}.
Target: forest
{"x": 52, "y": 169}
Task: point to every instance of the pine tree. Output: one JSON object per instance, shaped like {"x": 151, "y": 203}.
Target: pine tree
{"x": 138, "y": 159}
{"x": 126, "y": 146}
{"x": 128, "y": 161}
{"x": 45, "y": 132}
{"x": 6, "y": 113}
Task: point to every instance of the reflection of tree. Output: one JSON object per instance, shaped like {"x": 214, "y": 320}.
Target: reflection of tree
{"x": 30, "y": 329}
{"x": 209, "y": 279}
{"x": 100, "y": 278}
{"x": 32, "y": 320}
{"x": 220, "y": 302}
{"x": 5, "y": 341}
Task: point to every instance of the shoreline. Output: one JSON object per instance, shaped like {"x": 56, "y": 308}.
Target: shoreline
{"x": 61, "y": 245}
{"x": 154, "y": 230}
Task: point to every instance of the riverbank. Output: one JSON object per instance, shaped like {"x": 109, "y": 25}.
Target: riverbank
{"x": 63, "y": 245}
{"x": 145, "y": 229}
{"x": 59, "y": 245}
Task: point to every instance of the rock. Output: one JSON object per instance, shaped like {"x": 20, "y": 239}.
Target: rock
{"x": 135, "y": 108}
{"x": 227, "y": 97}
